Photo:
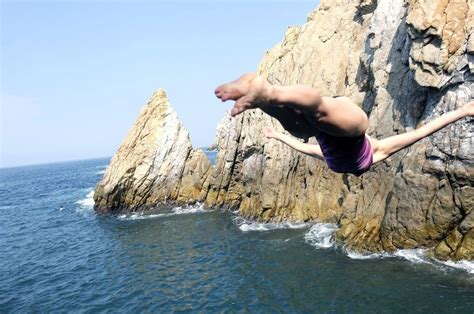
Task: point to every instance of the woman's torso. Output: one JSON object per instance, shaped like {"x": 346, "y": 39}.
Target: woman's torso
{"x": 346, "y": 154}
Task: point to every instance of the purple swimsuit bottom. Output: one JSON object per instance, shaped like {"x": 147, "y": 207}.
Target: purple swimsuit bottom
{"x": 346, "y": 154}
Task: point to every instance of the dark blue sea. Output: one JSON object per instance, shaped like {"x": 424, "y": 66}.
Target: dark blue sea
{"x": 58, "y": 256}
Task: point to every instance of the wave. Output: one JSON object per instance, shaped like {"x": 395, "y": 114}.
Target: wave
{"x": 321, "y": 235}
{"x": 463, "y": 264}
{"x": 88, "y": 201}
{"x": 416, "y": 256}
{"x": 420, "y": 256}
{"x": 140, "y": 216}
{"x": 357, "y": 255}
{"x": 86, "y": 205}
{"x": 246, "y": 225}
{"x": 100, "y": 170}
{"x": 179, "y": 210}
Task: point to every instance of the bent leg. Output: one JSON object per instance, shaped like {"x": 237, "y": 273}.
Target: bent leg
{"x": 336, "y": 116}
{"x": 390, "y": 145}
{"x": 292, "y": 121}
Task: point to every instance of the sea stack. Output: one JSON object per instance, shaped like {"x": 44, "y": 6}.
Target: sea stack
{"x": 156, "y": 164}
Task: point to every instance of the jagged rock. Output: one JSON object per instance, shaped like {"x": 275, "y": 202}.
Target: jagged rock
{"x": 439, "y": 31}
{"x": 196, "y": 168}
{"x": 382, "y": 55}
{"x": 405, "y": 63}
{"x": 155, "y": 164}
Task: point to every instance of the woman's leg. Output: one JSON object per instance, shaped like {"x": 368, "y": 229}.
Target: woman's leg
{"x": 388, "y": 146}
{"x": 336, "y": 116}
{"x": 235, "y": 89}
{"x": 292, "y": 120}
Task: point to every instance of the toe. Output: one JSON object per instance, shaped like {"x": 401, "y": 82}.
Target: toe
{"x": 225, "y": 96}
{"x": 219, "y": 89}
{"x": 243, "y": 103}
{"x": 240, "y": 106}
{"x": 235, "y": 111}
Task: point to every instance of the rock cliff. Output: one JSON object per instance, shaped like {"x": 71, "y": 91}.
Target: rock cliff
{"x": 405, "y": 63}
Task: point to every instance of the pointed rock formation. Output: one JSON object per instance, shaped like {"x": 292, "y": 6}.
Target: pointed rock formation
{"x": 156, "y": 164}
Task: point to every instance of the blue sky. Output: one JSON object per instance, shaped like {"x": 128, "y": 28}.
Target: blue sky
{"x": 75, "y": 74}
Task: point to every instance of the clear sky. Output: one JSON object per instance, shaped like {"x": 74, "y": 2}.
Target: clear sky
{"x": 75, "y": 74}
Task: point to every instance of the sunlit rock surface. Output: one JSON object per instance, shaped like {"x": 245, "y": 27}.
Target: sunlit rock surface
{"x": 405, "y": 63}
{"x": 155, "y": 164}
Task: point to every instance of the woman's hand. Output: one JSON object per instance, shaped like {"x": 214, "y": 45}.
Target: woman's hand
{"x": 269, "y": 132}
{"x": 468, "y": 108}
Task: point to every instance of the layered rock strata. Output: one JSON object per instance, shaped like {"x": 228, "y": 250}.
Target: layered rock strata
{"x": 405, "y": 63}
{"x": 156, "y": 164}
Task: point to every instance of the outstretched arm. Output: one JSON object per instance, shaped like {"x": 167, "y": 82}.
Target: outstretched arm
{"x": 308, "y": 149}
{"x": 393, "y": 144}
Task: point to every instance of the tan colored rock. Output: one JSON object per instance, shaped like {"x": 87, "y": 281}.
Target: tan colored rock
{"x": 381, "y": 58}
{"x": 457, "y": 245}
{"x": 149, "y": 166}
{"x": 440, "y": 31}
{"x": 405, "y": 64}
{"x": 196, "y": 169}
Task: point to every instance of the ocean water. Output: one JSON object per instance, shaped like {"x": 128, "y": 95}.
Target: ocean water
{"x": 57, "y": 255}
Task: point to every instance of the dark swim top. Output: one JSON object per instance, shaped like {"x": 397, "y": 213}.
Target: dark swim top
{"x": 346, "y": 154}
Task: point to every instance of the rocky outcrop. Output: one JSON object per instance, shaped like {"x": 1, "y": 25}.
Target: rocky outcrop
{"x": 156, "y": 164}
{"x": 405, "y": 63}
{"x": 423, "y": 194}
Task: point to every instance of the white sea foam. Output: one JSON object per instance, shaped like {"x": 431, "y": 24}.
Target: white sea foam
{"x": 417, "y": 256}
{"x": 197, "y": 208}
{"x": 247, "y": 226}
{"x": 88, "y": 201}
{"x": 357, "y": 255}
{"x": 321, "y": 235}
{"x": 141, "y": 216}
{"x": 100, "y": 169}
{"x": 179, "y": 210}
{"x": 463, "y": 264}
{"x": 86, "y": 205}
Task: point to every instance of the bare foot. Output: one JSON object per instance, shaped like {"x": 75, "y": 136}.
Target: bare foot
{"x": 235, "y": 89}
{"x": 257, "y": 95}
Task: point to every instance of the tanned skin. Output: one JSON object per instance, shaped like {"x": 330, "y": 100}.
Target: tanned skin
{"x": 303, "y": 112}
